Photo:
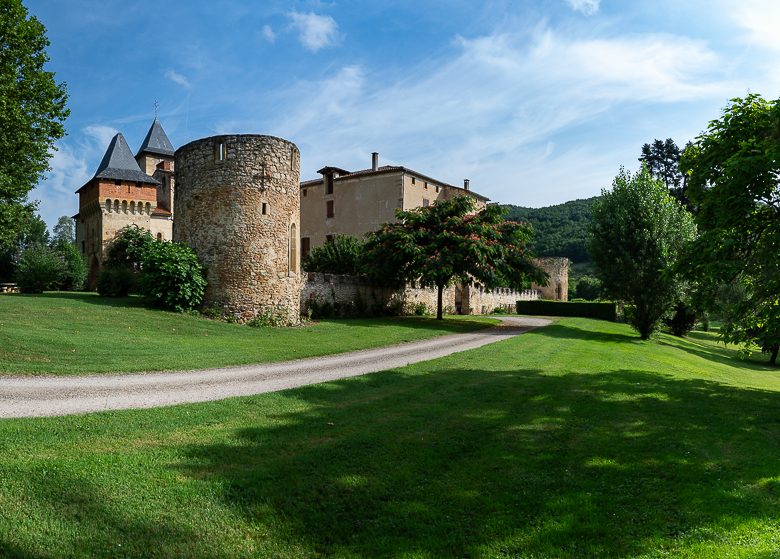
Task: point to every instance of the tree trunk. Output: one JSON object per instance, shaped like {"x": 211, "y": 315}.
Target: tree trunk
{"x": 439, "y": 290}
{"x": 773, "y": 355}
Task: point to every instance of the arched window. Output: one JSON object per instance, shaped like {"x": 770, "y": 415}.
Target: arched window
{"x": 124, "y": 206}
{"x": 159, "y": 237}
{"x": 148, "y": 208}
{"x": 293, "y": 249}
{"x": 108, "y": 205}
{"x": 140, "y": 208}
{"x": 116, "y": 206}
{"x": 132, "y": 207}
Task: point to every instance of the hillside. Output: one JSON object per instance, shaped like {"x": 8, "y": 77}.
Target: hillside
{"x": 559, "y": 230}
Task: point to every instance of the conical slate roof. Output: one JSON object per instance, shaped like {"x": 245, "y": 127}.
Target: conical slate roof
{"x": 156, "y": 141}
{"x": 119, "y": 163}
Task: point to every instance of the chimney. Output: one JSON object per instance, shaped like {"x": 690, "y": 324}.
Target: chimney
{"x": 375, "y": 161}
{"x": 465, "y": 184}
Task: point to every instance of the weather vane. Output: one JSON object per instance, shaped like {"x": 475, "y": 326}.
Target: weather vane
{"x": 156, "y": 104}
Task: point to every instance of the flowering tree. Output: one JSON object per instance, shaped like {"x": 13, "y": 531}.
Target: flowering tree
{"x": 447, "y": 242}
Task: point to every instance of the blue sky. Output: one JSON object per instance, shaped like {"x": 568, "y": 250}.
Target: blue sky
{"x": 536, "y": 102}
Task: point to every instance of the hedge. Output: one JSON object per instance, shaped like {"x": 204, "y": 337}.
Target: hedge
{"x": 602, "y": 311}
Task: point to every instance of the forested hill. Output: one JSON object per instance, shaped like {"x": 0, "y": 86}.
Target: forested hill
{"x": 560, "y": 230}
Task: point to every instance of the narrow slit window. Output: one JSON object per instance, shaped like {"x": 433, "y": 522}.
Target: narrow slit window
{"x": 265, "y": 208}
{"x": 220, "y": 153}
{"x": 329, "y": 208}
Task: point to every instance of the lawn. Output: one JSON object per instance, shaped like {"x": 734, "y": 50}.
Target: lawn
{"x": 576, "y": 440}
{"x": 77, "y": 333}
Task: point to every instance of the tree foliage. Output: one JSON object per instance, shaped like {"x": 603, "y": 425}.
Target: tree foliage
{"x": 662, "y": 159}
{"x": 560, "y": 230}
{"x": 344, "y": 254}
{"x": 637, "y": 235}
{"x": 39, "y": 269}
{"x": 32, "y": 116}
{"x": 447, "y": 242}
{"x": 734, "y": 179}
{"x": 172, "y": 278}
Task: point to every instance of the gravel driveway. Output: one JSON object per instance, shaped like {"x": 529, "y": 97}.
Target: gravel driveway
{"x": 49, "y": 396}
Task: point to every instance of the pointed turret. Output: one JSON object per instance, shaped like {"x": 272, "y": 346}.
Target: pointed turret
{"x": 118, "y": 163}
{"x": 156, "y": 142}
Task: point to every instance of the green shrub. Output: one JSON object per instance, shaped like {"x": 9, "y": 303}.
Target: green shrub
{"x": 421, "y": 309}
{"x": 171, "y": 278}
{"x": 116, "y": 281}
{"x": 588, "y": 288}
{"x": 39, "y": 269}
{"x": 343, "y": 254}
{"x": 73, "y": 274}
{"x": 603, "y": 311}
{"x": 500, "y": 310}
{"x": 682, "y": 321}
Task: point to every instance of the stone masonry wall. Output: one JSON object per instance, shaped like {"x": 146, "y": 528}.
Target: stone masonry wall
{"x": 558, "y": 269}
{"x": 353, "y": 290}
{"x": 238, "y": 206}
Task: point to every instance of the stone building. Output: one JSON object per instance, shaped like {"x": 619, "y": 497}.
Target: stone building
{"x": 126, "y": 190}
{"x": 355, "y": 202}
{"x": 238, "y": 206}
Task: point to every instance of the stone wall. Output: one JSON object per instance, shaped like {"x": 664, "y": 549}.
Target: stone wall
{"x": 359, "y": 294}
{"x": 238, "y": 206}
{"x": 557, "y": 289}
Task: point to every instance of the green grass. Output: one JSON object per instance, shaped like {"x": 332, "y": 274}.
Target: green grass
{"x": 77, "y": 333}
{"x": 576, "y": 440}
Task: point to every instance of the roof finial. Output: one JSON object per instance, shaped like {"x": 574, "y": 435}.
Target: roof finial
{"x": 156, "y": 104}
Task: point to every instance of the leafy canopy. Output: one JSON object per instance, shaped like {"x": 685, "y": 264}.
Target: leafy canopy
{"x": 637, "y": 235}
{"x": 32, "y": 116}
{"x": 447, "y": 241}
{"x": 734, "y": 179}
{"x": 344, "y": 254}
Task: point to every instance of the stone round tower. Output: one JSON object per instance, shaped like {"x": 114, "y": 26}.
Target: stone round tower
{"x": 238, "y": 206}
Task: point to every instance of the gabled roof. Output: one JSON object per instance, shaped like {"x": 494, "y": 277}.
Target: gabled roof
{"x": 389, "y": 169}
{"x": 156, "y": 141}
{"x": 119, "y": 163}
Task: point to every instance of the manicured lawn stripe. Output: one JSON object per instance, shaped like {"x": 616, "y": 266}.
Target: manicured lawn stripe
{"x": 569, "y": 441}
{"x": 78, "y": 333}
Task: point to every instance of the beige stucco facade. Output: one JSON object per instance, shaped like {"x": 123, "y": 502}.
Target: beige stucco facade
{"x": 345, "y": 203}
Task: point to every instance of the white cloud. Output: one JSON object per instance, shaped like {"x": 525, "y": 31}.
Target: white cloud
{"x": 178, "y": 78}
{"x": 268, "y": 33}
{"x": 71, "y": 167}
{"x": 587, "y": 7}
{"x": 315, "y": 31}
{"x": 760, "y": 21}
{"x": 489, "y": 112}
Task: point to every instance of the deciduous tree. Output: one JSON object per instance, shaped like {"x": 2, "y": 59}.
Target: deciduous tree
{"x": 637, "y": 234}
{"x": 32, "y": 115}
{"x": 734, "y": 179}
{"x": 447, "y": 242}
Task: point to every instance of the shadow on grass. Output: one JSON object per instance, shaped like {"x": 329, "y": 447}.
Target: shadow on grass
{"x": 696, "y": 344}
{"x": 503, "y": 462}
{"x": 571, "y": 331}
{"x": 89, "y": 297}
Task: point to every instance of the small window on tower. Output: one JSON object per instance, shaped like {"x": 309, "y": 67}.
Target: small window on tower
{"x": 159, "y": 237}
{"x": 265, "y": 208}
{"x": 329, "y": 208}
{"x": 413, "y": 180}
{"x": 220, "y": 153}
{"x": 329, "y": 184}
{"x": 328, "y": 238}
{"x": 303, "y": 192}
{"x": 426, "y": 203}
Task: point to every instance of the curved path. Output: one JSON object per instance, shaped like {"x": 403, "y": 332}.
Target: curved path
{"x": 48, "y": 396}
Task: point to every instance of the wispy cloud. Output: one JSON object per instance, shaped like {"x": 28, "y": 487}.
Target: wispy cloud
{"x": 71, "y": 166}
{"x": 499, "y": 96}
{"x": 315, "y": 31}
{"x": 268, "y": 33}
{"x": 759, "y": 20}
{"x": 178, "y": 78}
{"x": 587, "y": 7}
